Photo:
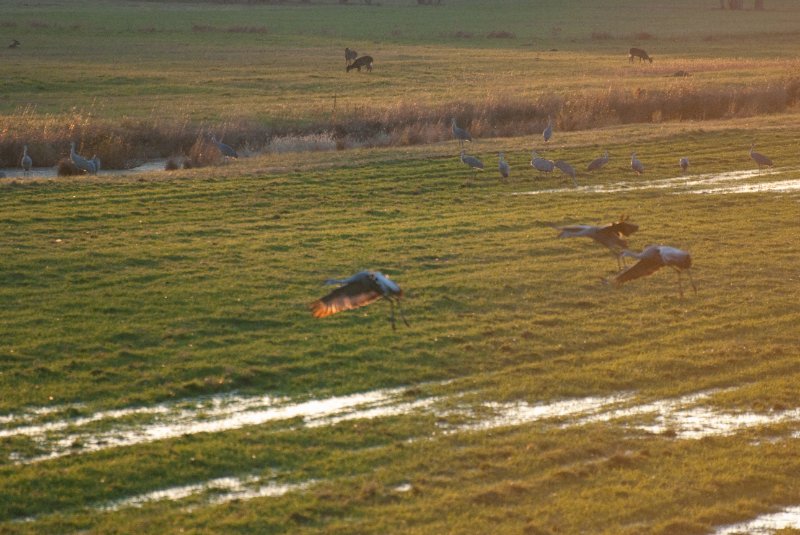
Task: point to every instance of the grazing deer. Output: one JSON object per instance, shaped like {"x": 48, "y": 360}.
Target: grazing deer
{"x": 638, "y": 53}
{"x": 349, "y": 56}
{"x": 363, "y": 61}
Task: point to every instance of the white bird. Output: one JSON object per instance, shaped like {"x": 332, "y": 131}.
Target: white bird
{"x": 225, "y": 150}
{"x": 567, "y": 169}
{"x": 598, "y": 163}
{"x": 541, "y": 164}
{"x": 357, "y": 291}
{"x": 611, "y": 235}
{"x": 684, "y": 163}
{"x": 26, "y": 161}
{"x": 548, "y": 131}
{"x": 460, "y": 134}
{"x": 471, "y": 161}
{"x": 759, "y": 158}
{"x": 636, "y": 165}
{"x": 503, "y": 166}
{"x": 653, "y": 258}
{"x": 80, "y": 162}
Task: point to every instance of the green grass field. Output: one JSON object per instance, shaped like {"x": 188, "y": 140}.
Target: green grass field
{"x": 160, "y": 371}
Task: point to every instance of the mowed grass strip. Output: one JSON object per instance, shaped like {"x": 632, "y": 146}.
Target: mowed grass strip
{"x": 130, "y": 291}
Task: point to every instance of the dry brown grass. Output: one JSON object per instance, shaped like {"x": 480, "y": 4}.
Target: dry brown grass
{"x": 130, "y": 142}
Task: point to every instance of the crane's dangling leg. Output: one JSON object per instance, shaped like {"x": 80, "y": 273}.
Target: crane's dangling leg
{"x": 402, "y": 316}
{"x": 391, "y": 304}
{"x": 680, "y": 283}
{"x": 689, "y": 272}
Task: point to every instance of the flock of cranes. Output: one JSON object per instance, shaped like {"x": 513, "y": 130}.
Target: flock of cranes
{"x": 547, "y": 166}
{"x": 92, "y": 165}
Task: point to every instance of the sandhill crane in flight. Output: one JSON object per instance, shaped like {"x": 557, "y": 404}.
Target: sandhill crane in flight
{"x": 653, "y": 258}
{"x": 225, "y": 150}
{"x": 460, "y": 134}
{"x": 567, "y": 169}
{"x": 548, "y": 130}
{"x": 26, "y": 161}
{"x": 598, "y": 163}
{"x": 636, "y": 165}
{"x": 80, "y": 162}
{"x": 357, "y": 291}
{"x": 541, "y": 164}
{"x": 611, "y": 235}
{"x": 503, "y": 166}
{"x": 759, "y": 158}
{"x": 684, "y": 163}
{"x": 471, "y": 161}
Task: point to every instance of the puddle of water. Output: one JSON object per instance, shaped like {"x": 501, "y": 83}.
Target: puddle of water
{"x": 519, "y": 413}
{"x": 780, "y": 186}
{"x": 789, "y": 518}
{"x": 684, "y": 417}
{"x": 51, "y": 172}
{"x": 221, "y": 490}
{"x": 691, "y": 181}
{"x": 222, "y": 413}
{"x": 403, "y": 487}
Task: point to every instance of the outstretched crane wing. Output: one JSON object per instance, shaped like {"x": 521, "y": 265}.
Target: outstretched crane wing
{"x": 358, "y": 293}
{"x": 644, "y": 267}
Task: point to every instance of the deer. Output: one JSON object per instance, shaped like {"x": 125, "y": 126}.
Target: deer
{"x": 638, "y": 53}
{"x": 363, "y": 61}
{"x": 349, "y": 56}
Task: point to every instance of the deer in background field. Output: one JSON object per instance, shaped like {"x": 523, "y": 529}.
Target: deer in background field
{"x": 363, "y": 61}
{"x": 638, "y": 53}
{"x": 349, "y": 56}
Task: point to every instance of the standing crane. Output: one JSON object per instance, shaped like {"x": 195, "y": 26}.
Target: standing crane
{"x": 598, "y": 163}
{"x": 541, "y": 164}
{"x": 548, "y": 130}
{"x": 759, "y": 158}
{"x": 471, "y": 161}
{"x": 357, "y": 291}
{"x": 653, "y": 258}
{"x": 636, "y": 165}
{"x": 26, "y": 161}
{"x": 611, "y": 235}
{"x": 684, "y": 163}
{"x": 567, "y": 169}
{"x": 503, "y": 166}
{"x": 460, "y": 134}
{"x": 87, "y": 166}
{"x": 225, "y": 150}
{"x": 96, "y": 161}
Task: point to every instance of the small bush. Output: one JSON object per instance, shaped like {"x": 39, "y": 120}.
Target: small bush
{"x": 65, "y": 167}
{"x": 172, "y": 165}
